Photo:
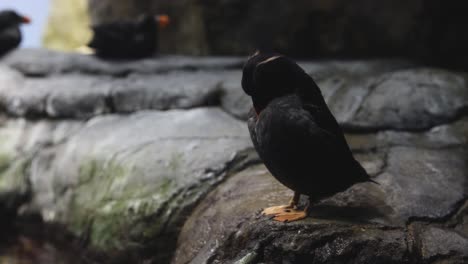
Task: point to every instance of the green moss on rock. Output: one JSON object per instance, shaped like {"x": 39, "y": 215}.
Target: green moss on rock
{"x": 112, "y": 208}
{"x": 13, "y": 175}
{"x": 5, "y": 161}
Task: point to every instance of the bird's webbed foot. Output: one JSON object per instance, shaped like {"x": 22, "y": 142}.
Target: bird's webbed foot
{"x": 290, "y": 215}
{"x": 287, "y": 213}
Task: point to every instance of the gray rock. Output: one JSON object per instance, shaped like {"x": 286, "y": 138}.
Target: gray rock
{"x": 84, "y": 96}
{"x": 128, "y": 182}
{"x": 437, "y": 243}
{"x": 414, "y": 183}
{"x": 425, "y": 183}
{"x": 20, "y": 141}
{"x": 327, "y": 69}
{"x": 169, "y": 91}
{"x": 413, "y": 99}
{"x": 376, "y": 96}
{"x": 313, "y": 243}
{"x": 233, "y": 99}
{"x": 460, "y": 220}
{"x": 68, "y": 96}
{"x": 453, "y": 134}
{"x": 228, "y": 227}
{"x": 440, "y": 137}
{"x": 76, "y": 96}
{"x": 40, "y": 62}
{"x": 64, "y": 96}
{"x": 344, "y": 84}
{"x": 371, "y": 96}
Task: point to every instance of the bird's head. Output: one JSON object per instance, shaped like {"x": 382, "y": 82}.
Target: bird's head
{"x": 11, "y": 18}
{"x": 150, "y": 21}
{"x": 162, "y": 20}
{"x": 267, "y": 76}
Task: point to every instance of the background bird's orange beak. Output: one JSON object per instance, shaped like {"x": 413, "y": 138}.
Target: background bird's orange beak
{"x": 163, "y": 21}
{"x": 25, "y": 20}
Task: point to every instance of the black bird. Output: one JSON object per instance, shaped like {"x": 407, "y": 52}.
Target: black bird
{"x": 295, "y": 134}
{"x": 128, "y": 39}
{"x": 10, "y": 34}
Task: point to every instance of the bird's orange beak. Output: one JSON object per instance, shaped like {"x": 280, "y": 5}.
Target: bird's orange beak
{"x": 163, "y": 21}
{"x": 25, "y": 20}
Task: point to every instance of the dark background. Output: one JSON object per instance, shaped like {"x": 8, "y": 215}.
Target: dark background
{"x": 432, "y": 31}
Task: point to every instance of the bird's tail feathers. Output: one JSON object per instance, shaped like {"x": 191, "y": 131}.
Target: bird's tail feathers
{"x": 370, "y": 180}
{"x": 364, "y": 176}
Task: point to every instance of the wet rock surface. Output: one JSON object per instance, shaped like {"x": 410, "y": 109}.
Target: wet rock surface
{"x": 151, "y": 161}
{"x": 132, "y": 180}
{"x": 367, "y": 223}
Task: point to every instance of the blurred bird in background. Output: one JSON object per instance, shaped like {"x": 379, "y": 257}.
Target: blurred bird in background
{"x": 128, "y": 39}
{"x": 10, "y": 34}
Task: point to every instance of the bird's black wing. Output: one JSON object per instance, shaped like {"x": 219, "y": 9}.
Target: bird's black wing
{"x": 332, "y": 147}
{"x": 251, "y": 124}
{"x": 118, "y": 31}
{"x": 317, "y": 107}
{"x": 325, "y": 121}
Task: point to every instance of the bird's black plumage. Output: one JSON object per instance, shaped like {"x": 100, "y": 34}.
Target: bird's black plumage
{"x": 294, "y": 132}
{"x": 127, "y": 39}
{"x": 10, "y": 34}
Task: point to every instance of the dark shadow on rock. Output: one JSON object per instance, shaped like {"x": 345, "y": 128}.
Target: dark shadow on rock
{"x": 31, "y": 241}
{"x": 362, "y": 203}
{"x": 352, "y": 214}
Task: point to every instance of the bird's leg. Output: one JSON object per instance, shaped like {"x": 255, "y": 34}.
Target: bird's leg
{"x": 274, "y": 210}
{"x": 293, "y": 214}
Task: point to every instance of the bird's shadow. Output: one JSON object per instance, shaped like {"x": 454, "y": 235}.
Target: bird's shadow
{"x": 357, "y": 205}
{"x": 354, "y": 214}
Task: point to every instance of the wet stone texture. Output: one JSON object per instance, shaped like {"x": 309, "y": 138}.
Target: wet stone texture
{"x": 150, "y": 161}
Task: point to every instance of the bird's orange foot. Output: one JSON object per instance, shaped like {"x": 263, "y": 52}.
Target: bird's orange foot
{"x": 274, "y": 210}
{"x": 285, "y": 213}
{"x": 292, "y": 215}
